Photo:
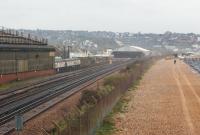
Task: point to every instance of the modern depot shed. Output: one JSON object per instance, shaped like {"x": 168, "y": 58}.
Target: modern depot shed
{"x": 130, "y": 52}
{"x": 23, "y": 56}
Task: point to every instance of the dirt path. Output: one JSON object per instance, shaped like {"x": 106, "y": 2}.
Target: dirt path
{"x": 166, "y": 103}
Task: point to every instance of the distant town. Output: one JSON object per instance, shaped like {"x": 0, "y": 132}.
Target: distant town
{"x": 97, "y": 42}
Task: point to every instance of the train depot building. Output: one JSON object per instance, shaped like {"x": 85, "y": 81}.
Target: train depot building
{"x": 23, "y": 57}
{"x": 130, "y": 52}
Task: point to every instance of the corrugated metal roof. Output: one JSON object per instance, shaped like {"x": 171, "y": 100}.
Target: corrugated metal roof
{"x": 132, "y": 49}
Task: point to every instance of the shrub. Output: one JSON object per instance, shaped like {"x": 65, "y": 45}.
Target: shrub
{"x": 88, "y": 97}
{"x": 113, "y": 80}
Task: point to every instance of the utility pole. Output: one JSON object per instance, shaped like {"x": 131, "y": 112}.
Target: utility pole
{"x": 64, "y": 52}
{"x": 68, "y": 51}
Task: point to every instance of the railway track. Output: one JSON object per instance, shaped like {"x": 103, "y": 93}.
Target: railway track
{"x": 58, "y": 77}
{"x": 31, "y": 100}
{"x": 42, "y": 86}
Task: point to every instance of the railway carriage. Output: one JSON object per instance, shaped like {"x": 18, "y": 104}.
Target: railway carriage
{"x": 65, "y": 65}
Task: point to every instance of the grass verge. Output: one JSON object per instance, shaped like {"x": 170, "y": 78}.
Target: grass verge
{"x": 108, "y": 124}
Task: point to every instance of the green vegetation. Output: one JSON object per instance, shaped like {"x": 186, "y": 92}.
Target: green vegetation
{"x": 108, "y": 124}
{"x": 4, "y": 87}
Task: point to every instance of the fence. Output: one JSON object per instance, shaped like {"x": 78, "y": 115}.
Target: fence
{"x": 86, "y": 121}
{"x": 11, "y": 36}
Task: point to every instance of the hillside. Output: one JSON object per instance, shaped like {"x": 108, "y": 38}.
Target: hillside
{"x": 100, "y": 40}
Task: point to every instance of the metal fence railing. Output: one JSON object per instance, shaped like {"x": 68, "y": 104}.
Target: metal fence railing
{"x": 11, "y": 36}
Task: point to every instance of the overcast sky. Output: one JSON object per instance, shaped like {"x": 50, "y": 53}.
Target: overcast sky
{"x": 156, "y": 16}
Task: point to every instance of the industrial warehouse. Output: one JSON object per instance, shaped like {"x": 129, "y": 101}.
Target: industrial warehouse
{"x": 22, "y": 57}
{"x": 130, "y": 52}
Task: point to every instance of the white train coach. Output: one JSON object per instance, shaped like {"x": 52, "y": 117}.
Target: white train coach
{"x": 65, "y": 65}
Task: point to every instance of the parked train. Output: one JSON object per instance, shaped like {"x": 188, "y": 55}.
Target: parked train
{"x": 65, "y": 65}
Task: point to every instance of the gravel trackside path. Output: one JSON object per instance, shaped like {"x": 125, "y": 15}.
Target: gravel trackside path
{"x": 167, "y": 102}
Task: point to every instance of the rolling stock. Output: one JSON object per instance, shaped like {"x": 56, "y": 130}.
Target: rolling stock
{"x": 65, "y": 65}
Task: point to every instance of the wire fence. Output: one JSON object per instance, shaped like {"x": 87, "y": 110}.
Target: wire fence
{"x": 86, "y": 122}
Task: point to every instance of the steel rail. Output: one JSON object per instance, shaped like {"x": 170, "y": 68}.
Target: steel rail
{"x": 8, "y": 115}
{"x": 44, "y": 82}
{"x": 36, "y": 89}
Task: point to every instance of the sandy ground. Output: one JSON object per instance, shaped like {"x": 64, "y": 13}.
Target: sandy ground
{"x": 167, "y": 102}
